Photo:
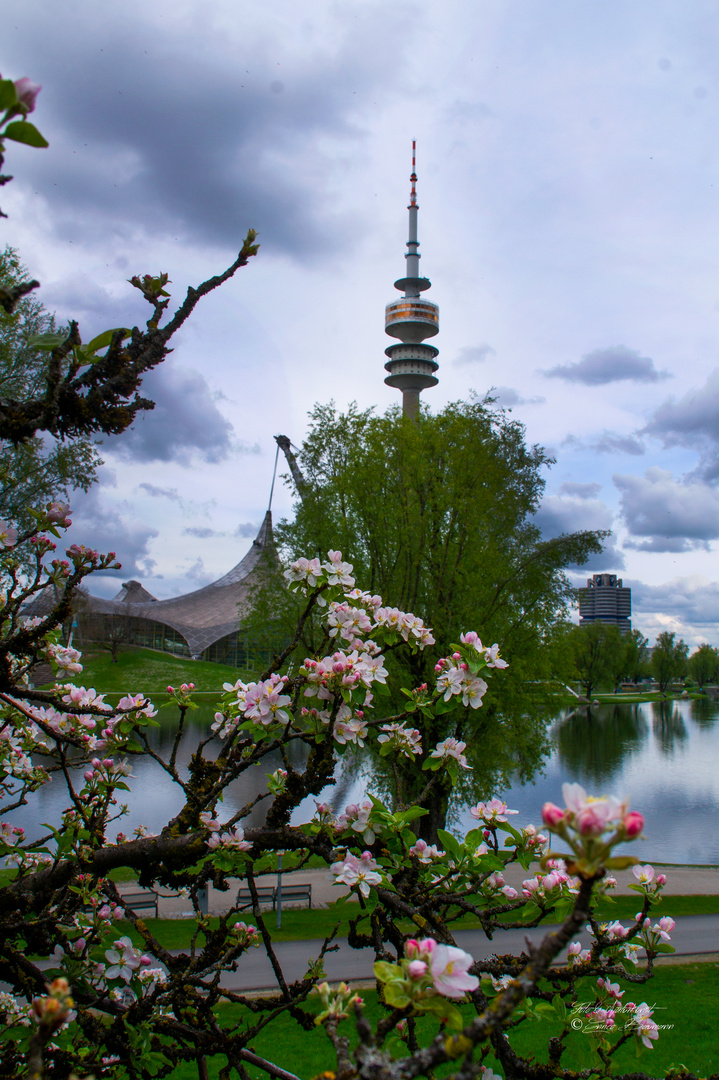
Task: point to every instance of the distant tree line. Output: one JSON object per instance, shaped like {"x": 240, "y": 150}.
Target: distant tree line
{"x": 603, "y": 658}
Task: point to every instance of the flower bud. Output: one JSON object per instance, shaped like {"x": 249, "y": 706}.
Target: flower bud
{"x": 633, "y": 824}
{"x": 552, "y": 815}
{"x": 416, "y": 969}
{"x": 27, "y": 92}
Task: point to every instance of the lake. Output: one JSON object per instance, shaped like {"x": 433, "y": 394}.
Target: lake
{"x": 663, "y": 756}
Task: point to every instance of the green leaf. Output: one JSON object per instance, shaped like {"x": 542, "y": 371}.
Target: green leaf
{"x": 8, "y": 94}
{"x": 396, "y": 995}
{"x": 621, "y": 862}
{"x": 105, "y": 339}
{"x": 444, "y": 1009}
{"x": 449, "y": 842}
{"x": 23, "y": 132}
{"x": 410, "y": 815}
{"x": 387, "y": 972}
{"x": 47, "y": 342}
{"x": 559, "y": 1007}
{"x": 443, "y": 706}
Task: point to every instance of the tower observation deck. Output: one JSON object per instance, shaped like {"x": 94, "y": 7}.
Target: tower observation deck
{"x": 412, "y": 364}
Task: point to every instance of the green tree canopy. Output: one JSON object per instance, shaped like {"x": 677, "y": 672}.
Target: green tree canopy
{"x": 439, "y": 516}
{"x": 41, "y": 468}
{"x": 598, "y": 652}
{"x": 704, "y": 665}
{"x": 669, "y": 659}
{"x": 636, "y": 656}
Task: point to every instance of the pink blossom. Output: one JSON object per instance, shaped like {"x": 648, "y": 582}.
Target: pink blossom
{"x": 492, "y": 811}
{"x": 406, "y": 741}
{"x": 450, "y": 971}
{"x": 416, "y": 969}
{"x": 360, "y": 872}
{"x": 643, "y": 874}
{"x": 647, "y": 1027}
{"x": 58, "y": 512}
{"x": 451, "y": 748}
{"x": 591, "y": 815}
{"x": 422, "y": 948}
{"x": 610, "y": 988}
{"x": 8, "y": 535}
{"x": 425, "y": 852}
{"x": 304, "y": 570}
{"x": 27, "y": 92}
{"x": 230, "y": 838}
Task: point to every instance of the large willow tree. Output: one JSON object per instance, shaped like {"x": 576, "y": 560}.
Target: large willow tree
{"x": 439, "y": 515}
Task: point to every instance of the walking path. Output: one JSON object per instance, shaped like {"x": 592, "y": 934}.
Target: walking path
{"x": 694, "y": 936}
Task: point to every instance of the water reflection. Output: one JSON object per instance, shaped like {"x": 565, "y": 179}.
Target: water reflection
{"x": 661, "y": 755}
{"x": 593, "y": 743}
{"x": 668, "y": 725}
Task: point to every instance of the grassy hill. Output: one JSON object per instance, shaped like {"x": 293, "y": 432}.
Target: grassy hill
{"x": 151, "y": 672}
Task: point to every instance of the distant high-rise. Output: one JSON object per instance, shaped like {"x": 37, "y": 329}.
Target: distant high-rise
{"x": 606, "y": 600}
{"x": 411, "y": 364}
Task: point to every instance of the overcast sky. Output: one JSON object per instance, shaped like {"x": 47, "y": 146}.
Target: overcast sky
{"x": 569, "y": 222}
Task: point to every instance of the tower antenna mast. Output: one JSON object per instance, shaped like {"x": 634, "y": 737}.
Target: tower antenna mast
{"x": 412, "y": 364}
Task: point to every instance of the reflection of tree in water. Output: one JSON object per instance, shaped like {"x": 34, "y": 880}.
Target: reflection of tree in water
{"x": 592, "y": 744}
{"x": 703, "y": 711}
{"x": 668, "y": 725}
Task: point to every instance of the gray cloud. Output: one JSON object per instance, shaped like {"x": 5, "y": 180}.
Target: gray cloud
{"x": 618, "y": 444}
{"x": 160, "y": 493}
{"x": 580, "y": 491}
{"x": 667, "y": 515}
{"x": 197, "y": 574}
{"x": 184, "y": 424}
{"x": 611, "y": 364}
{"x": 247, "y": 528}
{"x": 200, "y": 149}
{"x": 111, "y": 528}
{"x": 202, "y": 531}
{"x": 693, "y": 422}
{"x": 607, "y": 443}
{"x": 508, "y": 398}
{"x": 474, "y": 354}
{"x": 558, "y": 515}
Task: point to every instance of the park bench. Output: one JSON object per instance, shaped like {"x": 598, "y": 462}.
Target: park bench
{"x": 292, "y": 893}
{"x": 267, "y": 894}
{"x": 142, "y": 901}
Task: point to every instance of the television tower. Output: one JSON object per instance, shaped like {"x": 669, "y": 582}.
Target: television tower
{"x": 411, "y": 364}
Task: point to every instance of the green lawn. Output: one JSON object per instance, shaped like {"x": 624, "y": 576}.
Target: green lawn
{"x": 300, "y": 923}
{"x": 148, "y": 671}
{"x": 685, "y": 996}
{"x": 636, "y": 699}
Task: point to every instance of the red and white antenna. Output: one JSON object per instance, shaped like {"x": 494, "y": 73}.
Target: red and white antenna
{"x": 413, "y": 177}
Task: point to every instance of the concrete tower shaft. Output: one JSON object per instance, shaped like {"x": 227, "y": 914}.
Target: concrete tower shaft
{"x": 411, "y": 364}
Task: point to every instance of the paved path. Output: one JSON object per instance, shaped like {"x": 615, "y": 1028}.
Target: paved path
{"x": 693, "y": 936}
